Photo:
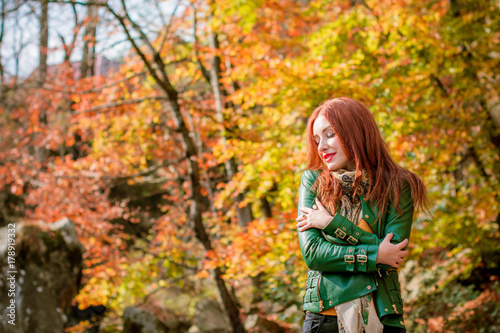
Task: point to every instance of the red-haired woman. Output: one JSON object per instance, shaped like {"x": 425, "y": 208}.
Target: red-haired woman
{"x": 355, "y": 213}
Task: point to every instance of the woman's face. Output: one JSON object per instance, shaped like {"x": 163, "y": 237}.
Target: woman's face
{"x": 329, "y": 147}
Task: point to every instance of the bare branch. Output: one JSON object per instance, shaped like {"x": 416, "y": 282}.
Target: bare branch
{"x": 138, "y": 29}
{"x": 120, "y": 103}
{"x": 204, "y": 71}
{"x": 128, "y": 78}
{"x": 167, "y": 87}
{"x": 118, "y": 42}
{"x": 12, "y": 10}
{"x": 150, "y": 170}
{"x": 164, "y": 82}
{"x": 162, "y": 18}
{"x": 81, "y": 3}
{"x": 167, "y": 30}
{"x": 98, "y": 89}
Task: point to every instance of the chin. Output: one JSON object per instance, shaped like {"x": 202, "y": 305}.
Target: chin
{"x": 332, "y": 167}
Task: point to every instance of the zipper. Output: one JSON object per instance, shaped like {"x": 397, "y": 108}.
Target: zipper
{"x": 376, "y": 280}
{"x": 379, "y": 228}
{"x": 319, "y": 296}
{"x": 388, "y": 294}
{"x": 363, "y": 203}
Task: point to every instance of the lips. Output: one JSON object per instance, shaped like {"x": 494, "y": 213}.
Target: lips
{"x": 328, "y": 157}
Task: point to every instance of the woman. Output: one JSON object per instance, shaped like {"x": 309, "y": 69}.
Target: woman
{"x": 355, "y": 214}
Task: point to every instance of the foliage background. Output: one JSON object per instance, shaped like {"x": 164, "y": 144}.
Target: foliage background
{"x": 108, "y": 151}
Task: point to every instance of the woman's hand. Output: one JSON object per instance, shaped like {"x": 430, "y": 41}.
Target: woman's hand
{"x": 391, "y": 254}
{"x": 313, "y": 218}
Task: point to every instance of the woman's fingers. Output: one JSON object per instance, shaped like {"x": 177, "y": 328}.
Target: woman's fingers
{"x": 305, "y": 209}
{"x": 388, "y": 238}
{"x": 320, "y": 205}
{"x": 400, "y": 259}
{"x": 398, "y": 262}
{"x": 303, "y": 226}
{"x": 402, "y": 244}
{"x": 300, "y": 218}
{"x": 392, "y": 254}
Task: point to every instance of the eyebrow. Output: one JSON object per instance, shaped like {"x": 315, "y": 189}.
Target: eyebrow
{"x": 315, "y": 135}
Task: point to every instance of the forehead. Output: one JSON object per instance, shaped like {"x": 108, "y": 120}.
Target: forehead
{"x": 320, "y": 124}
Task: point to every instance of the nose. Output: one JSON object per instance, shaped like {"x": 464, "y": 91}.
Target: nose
{"x": 322, "y": 145}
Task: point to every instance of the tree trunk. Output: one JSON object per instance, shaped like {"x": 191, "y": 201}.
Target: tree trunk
{"x": 245, "y": 215}
{"x": 265, "y": 207}
{"x": 42, "y": 68}
{"x": 44, "y": 42}
{"x": 2, "y": 77}
{"x": 89, "y": 35}
{"x": 230, "y": 305}
{"x": 157, "y": 69}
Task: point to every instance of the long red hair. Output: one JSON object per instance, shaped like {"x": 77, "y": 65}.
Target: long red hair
{"x": 362, "y": 143}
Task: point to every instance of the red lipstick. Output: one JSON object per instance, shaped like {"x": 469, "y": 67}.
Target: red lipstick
{"x": 328, "y": 157}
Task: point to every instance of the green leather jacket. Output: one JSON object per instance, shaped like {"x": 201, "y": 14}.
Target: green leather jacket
{"x": 342, "y": 257}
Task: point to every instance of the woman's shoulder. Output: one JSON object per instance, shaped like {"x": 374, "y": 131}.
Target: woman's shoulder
{"x": 309, "y": 177}
{"x": 405, "y": 192}
{"x": 407, "y": 183}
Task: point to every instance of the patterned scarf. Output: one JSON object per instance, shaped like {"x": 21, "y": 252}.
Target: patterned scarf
{"x": 358, "y": 315}
{"x": 351, "y": 207}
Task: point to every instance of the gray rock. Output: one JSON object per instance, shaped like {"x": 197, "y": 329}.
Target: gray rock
{"x": 414, "y": 279}
{"x": 258, "y": 324}
{"x": 194, "y": 329}
{"x": 291, "y": 315}
{"x": 3, "y": 238}
{"x": 68, "y": 232}
{"x": 143, "y": 320}
{"x": 47, "y": 276}
{"x": 137, "y": 320}
{"x": 209, "y": 317}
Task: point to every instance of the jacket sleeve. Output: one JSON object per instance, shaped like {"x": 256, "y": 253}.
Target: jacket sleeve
{"x": 397, "y": 223}
{"x": 326, "y": 256}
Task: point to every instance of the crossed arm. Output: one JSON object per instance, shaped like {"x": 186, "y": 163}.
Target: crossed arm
{"x": 371, "y": 254}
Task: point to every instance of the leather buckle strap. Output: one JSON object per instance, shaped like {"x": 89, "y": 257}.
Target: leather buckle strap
{"x": 340, "y": 234}
{"x": 352, "y": 240}
{"x": 362, "y": 258}
{"x": 348, "y": 258}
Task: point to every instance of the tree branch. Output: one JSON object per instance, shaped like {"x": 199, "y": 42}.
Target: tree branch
{"x": 138, "y": 29}
{"x": 120, "y": 103}
{"x": 167, "y": 30}
{"x": 204, "y": 71}
{"x": 81, "y": 3}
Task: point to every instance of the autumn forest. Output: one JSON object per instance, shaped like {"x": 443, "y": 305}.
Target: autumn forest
{"x": 170, "y": 136}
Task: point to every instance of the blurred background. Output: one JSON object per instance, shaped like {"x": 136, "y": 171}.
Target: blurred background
{"x": 151, "y": 154}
